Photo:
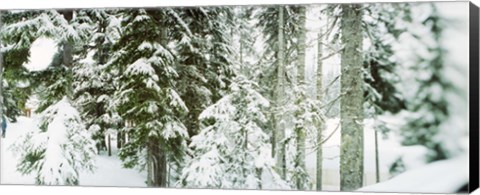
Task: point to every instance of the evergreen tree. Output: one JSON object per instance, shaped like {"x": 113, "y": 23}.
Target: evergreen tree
{"x": 203, "y": 56}
{"x": 147, "y": 94}
{"x": 59, "y": 150}
{"x": 429, "y": 109}
{"x": 351, "y": 110}
{"x": 320, "y": 127}
{"x": 232, "y": 150}
{"x": 93, "y": 83}
{"x": 381, "y": 93}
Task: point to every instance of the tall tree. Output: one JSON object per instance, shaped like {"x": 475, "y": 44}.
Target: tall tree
{"x": 280, "y": 96}
{"x": 232, "y": 150}
{"x": 302, "y": 84}
{"x": 351, "y": 111}
{"x": 381, "y": 75}
{"x": 147, "y": 93}
{"x": 320, "y": 127}
{"x": 60, "y": 150}
{"x": 93, "y": 83}
{"x": 428, "y": 108}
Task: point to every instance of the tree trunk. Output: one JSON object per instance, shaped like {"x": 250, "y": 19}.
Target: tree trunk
{"x": 320, "y": 123}
{"x": 67, "y": 45}
{"x": 377, "y": 164}
{"x": 67, "y": 54}
{"x": 280, "y": 97}
{"x": 351, "y": 108}
{"x": 150, "y": 161}
{"x": 157, "y": 165}
{"x": 300, "y": 131}
{"x": 109, "y": 145}
{"x": 120, "y": 140}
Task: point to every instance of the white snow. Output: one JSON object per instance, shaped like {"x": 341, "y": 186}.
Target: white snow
{"x": 41, "y": 54}
{"x": 445, "y": 176}
{"x": 108, "y": 171}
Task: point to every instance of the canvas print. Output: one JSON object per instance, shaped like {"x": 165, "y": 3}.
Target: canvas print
{"x": 369, "y": 97}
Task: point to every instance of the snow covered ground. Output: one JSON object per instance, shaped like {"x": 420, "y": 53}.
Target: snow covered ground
{"x": 108, "y": 172}
{"x": 389, "y": 150}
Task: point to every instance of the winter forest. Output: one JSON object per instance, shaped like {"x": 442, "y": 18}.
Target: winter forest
{"x": 367, "y": 97}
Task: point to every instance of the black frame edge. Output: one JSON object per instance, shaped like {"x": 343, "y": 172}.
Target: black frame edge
{"x": 474, "y": 97}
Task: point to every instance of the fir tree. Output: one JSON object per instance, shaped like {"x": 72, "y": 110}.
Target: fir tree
{"x": 147, "y": 95}
{"x": 59, "y": 150}
{"x": 232, "y": 150}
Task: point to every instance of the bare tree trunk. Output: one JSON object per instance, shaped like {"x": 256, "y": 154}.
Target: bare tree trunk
{"x": 300, "y": 131}
{"x": 377, "y": 168}
{"x": 351, "y": 105}
{"x": 67, "y": 54}
{"x": 280, "y": 97}
{"x": 119, "y": 140}
{"x": 109, "y": 142}
{"x": 320, "y": 123}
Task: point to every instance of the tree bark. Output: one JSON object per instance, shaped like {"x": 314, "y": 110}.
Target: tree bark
{"x": 300, "y": 131}
{"x": 280, "y": 126}
{"x": 67, "y": 53}
{"x": 320, "y": 123}
{"x": 377, "y": 164}
{"x": 120, "y": 140}
{"x": 351, "y": 108}
{"x": 109, "y": 142}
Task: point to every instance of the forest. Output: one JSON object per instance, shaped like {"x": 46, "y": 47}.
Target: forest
{"x": 236, "y": 97}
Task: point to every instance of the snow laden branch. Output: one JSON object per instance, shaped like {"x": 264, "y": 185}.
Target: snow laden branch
{"x": 232, "y": 150}
{"x": 60, "y": 150}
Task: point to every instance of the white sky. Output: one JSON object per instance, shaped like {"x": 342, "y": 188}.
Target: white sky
{"x": 41, "y": 54}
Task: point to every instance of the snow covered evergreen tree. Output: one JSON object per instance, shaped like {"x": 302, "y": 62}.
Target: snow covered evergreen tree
{"x": 204, "y": 57}
{"x": 93, "y": 83}
{"x": 428, "y": 108}
{"x": 60, "y": 150}
{"x": 147, "y": 94}
{"x": 232, "y": 150}
{"x": 63, "y": 147}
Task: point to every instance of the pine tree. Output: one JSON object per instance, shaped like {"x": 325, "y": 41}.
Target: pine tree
{"x": 381, "y": 78}
{"x": 93, "y": 83}
{"x": 147, "y": 95}
{"x": 351, "y": 113}
{"x": 428, "y": 109}
{"x": 232, "y": 150}
{"x": 204, "y": 58}
{"x": 62, "y": 133}
{"x": 59, "y": 150}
